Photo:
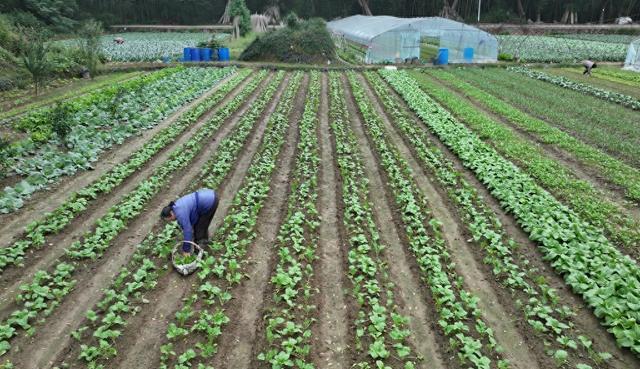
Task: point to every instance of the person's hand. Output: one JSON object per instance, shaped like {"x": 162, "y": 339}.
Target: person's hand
{"x": 185, "y": 254}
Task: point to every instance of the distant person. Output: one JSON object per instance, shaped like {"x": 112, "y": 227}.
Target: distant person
{"x": 194, "y": 213}
{"x": 118, "y": 40}
{"x": 588, "y": 66}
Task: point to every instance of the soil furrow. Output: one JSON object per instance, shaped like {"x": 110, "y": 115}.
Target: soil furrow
{"x": 140, "y": 344}
{"x": 410, "y": 292}
{"x": 236, "y": 347}
{"x": 608, "y": 190}
{"x": 54, "y": 337}
{"x": 48, "y": 200}
{"x": 331, "y": 335}
{"x": 506, "y": 332}
{"x": 55, "y": 247}
{"x": 584, "y": 318}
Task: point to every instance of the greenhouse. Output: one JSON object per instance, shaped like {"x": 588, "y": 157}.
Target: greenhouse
{"x": 386, "y": 39}
{"x": 633, "y": 56}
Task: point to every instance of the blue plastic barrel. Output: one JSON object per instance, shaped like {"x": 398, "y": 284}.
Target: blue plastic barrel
{"x": 443, "y": 56}
{"x": 195, "y": 54}
{"x": 205, "y": 54}
{"x": 186, "y": 54}
{"x": 467, "y": 54}
{"x": 223, "y": 54}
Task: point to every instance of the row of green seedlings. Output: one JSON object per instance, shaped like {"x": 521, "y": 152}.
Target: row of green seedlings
{"x": 95, "y": 243}
{"x": 288, "y": 332}
{"x": 579, "y": 194}
{"x": 611, "y": 168}
{"x": 94, "y": 129}
{"x": 202, "y": 318}
{"x": 621, "y": 76}
{"x": 99, "y": 347}
{"x": 614, "y": 97}
{"x": 606, "y": 279}
{"x": 533, "y": 296}
{"x": 56, "y": 221}
{"x": 459, "y": 316}
{"x": 381, "y": 333}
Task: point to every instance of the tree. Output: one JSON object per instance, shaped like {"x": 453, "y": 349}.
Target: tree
{"x": 238, "y": 8}
{"x": 34, "y": 57}
{"x": 89, "y": 42}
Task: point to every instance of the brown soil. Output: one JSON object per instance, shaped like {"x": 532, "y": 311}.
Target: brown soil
{"x": 42, "y": 258}
{"x": 54, "y": 337}
{"x": 584, "y": 320}
{"x": 409, "y": 289}
{"x": 330, "y": 333}
{"x": 141, "y": 343}
{"x": 46, "y": 201}
{"x": 238, "y": 347}
{"x": 506, "y": 332}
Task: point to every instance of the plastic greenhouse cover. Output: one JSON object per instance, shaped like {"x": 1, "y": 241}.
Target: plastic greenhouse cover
{"x": 632, "y": 61}
{"x": 389, "y": 37}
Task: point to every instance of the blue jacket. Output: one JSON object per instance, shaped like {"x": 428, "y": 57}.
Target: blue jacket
{"x": 188, "y": 209}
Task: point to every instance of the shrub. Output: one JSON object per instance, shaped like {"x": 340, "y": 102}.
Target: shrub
{"x": 5, "y": 145}
{"x": 238, "y": 8}
{"x": 89, "y": 45}
{"x": 292, "y": 20}
{"x": 8, "y": 38}
{"x": 505, "y": 57}
{"x": 213, "y": 43}
{"x": 60, "y": 121}
{"x": 307, "y": 42}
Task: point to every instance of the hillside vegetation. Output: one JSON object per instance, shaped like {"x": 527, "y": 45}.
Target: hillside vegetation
{"x": 301, "y": 41}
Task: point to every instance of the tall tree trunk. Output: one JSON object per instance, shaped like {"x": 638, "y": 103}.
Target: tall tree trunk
{"x": 364, "y": 4}
{"x": 226, "y": 17}
{"x": 450, "y": 10}
{"x": 521, "y": 11}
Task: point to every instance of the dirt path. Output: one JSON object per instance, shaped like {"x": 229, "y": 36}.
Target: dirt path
{"x": 411, "y": 294}
{"x": 607, "y": 190}
{"x": 584, "y": 320}
{"x": 40, "y": 259}
{"x": 48, "y": 200}
{"x": 237, "y": 342}
{"x": 50, "y": 340}
{"x": 331, "y": 334}
{"x": 140, "y": 345}
{"x": 496, "y": 316}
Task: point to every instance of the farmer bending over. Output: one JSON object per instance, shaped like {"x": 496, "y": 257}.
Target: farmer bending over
{"x": 588, "y": 65}
{"x": 193, "y": 213}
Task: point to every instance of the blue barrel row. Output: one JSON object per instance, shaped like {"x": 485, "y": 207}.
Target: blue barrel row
{"x": 197, "y": 54}
{"x": 443, "y": 56}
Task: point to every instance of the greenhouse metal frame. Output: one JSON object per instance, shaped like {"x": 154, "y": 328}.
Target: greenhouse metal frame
{"x": 385, "y": 39}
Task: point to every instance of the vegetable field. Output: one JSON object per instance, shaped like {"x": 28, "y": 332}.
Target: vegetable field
{"x": 148, "y": 46}
{"x": 545, "y": 49}
{"x": 448, "y": 219}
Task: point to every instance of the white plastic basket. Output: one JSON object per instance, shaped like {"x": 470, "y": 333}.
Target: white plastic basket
{"x": 187, "y": 268}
